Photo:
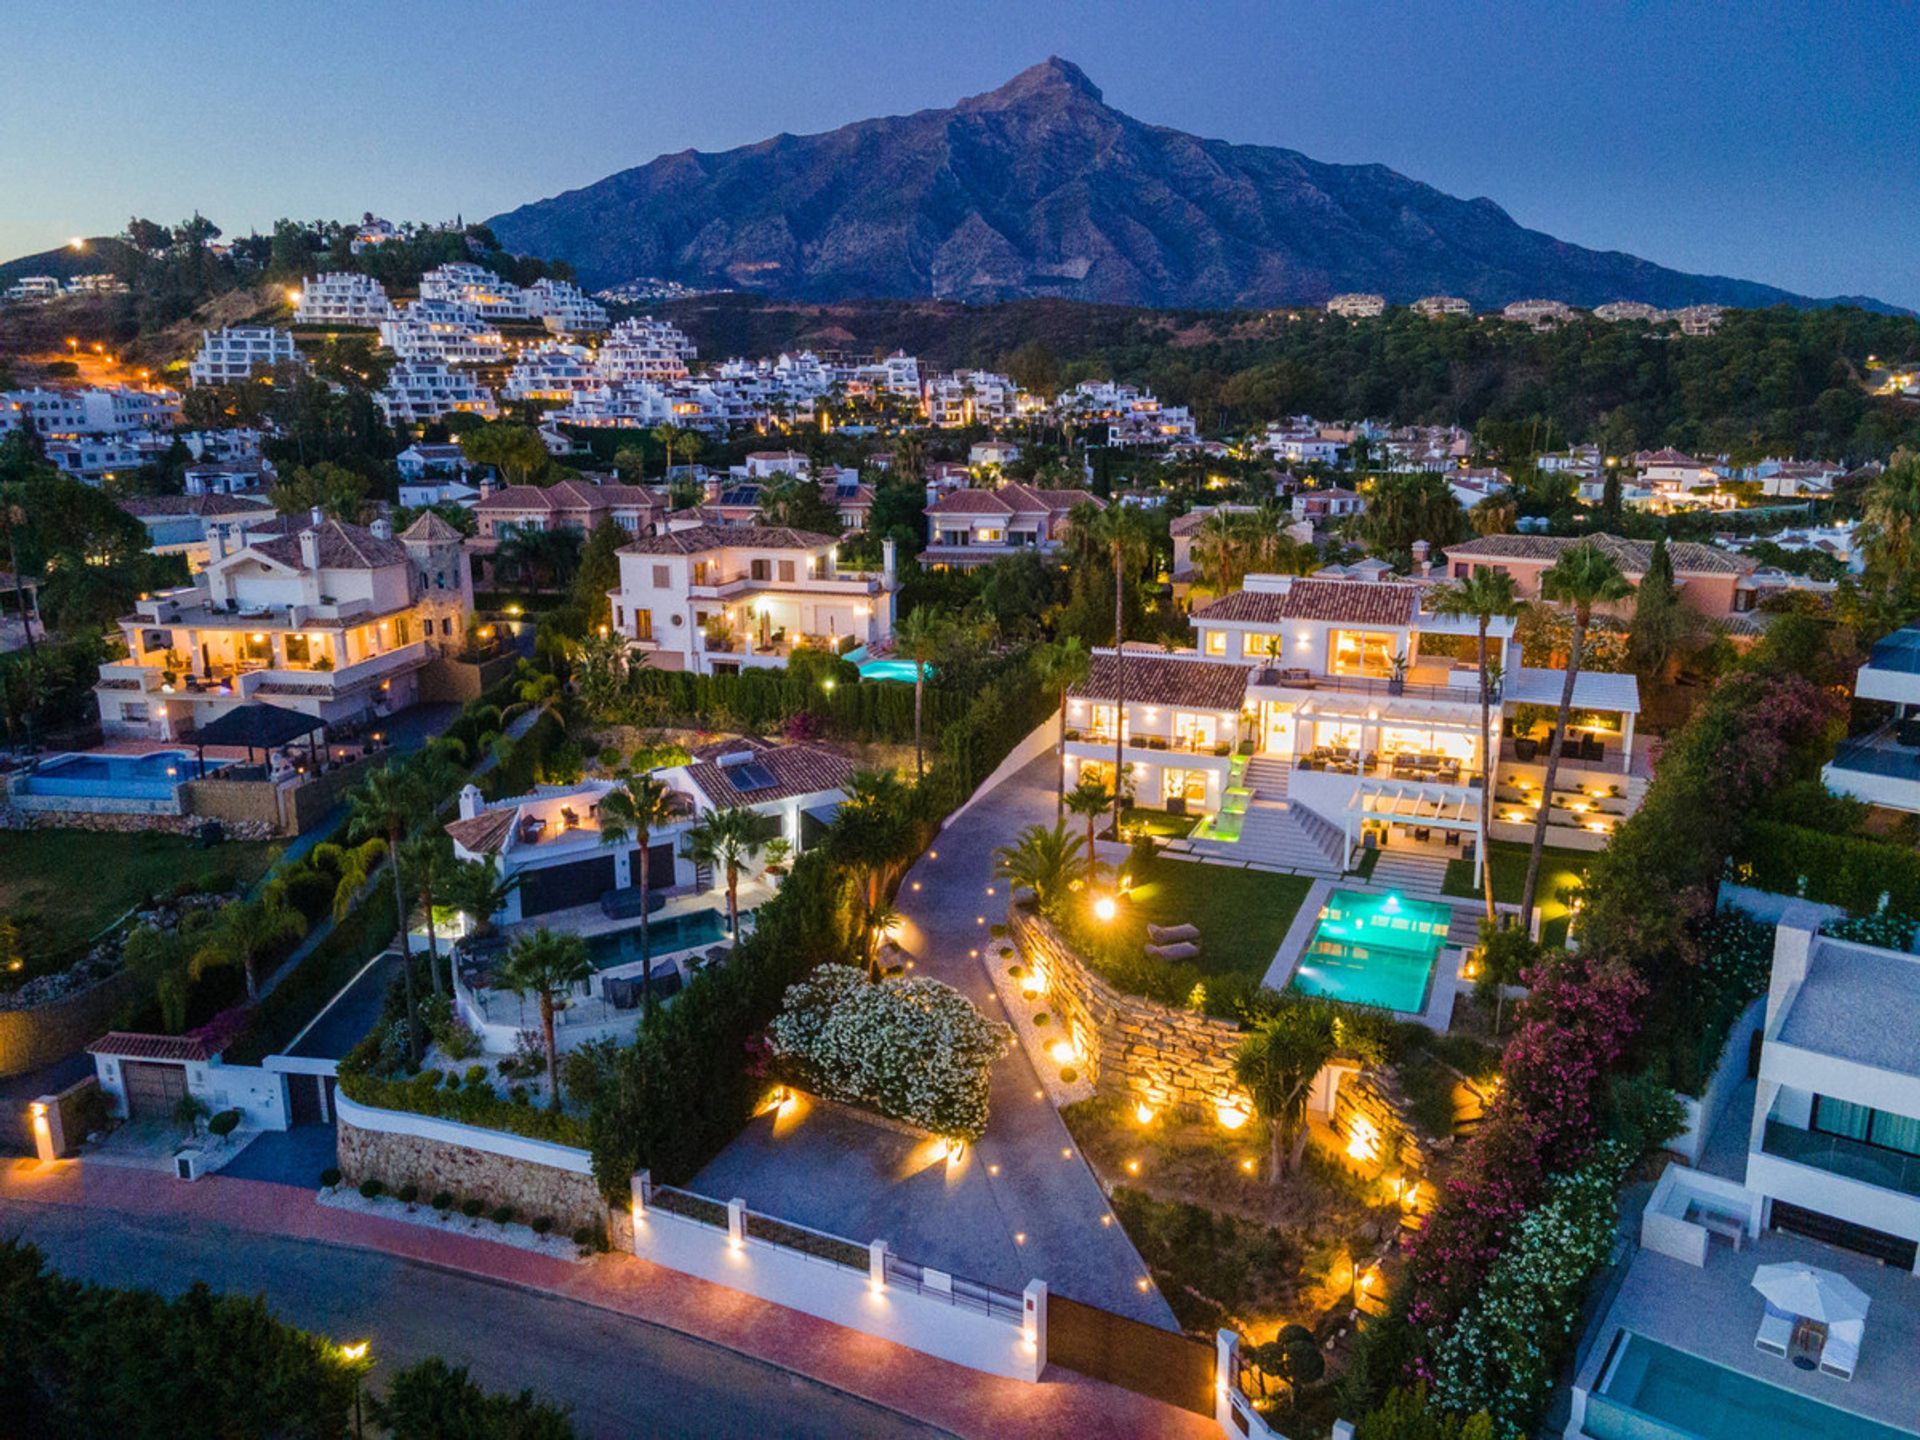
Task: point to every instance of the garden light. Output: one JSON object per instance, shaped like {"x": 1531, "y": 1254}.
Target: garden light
{"x": 1061, "y": 1052}
{"x": 1231, "y": 1115}
{"x": 354, "y": 1352}
{"x": 1104, "y": 909}
{"x": 1143, "y": 1112}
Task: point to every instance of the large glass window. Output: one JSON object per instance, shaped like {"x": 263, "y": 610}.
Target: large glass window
{"x": 1192, "y": 729}
{"x": 1364, "y": 652}
{"x": 1187, "y": 785}
{"x": 1865, "y": 1124}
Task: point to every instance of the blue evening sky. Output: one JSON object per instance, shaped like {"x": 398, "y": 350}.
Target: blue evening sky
{"x": 1777, "y": 142}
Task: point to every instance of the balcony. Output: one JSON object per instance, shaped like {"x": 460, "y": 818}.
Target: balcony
{"x": 1162, "y": 744}
{"x": 1849, "y": 1159}
{"x": 1459, "y": 686}
{"x": 843, "y": 582}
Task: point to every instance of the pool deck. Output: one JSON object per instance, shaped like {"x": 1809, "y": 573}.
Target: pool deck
{"x": 1713, "y": 1312}
{"x": 1442, "y": 987}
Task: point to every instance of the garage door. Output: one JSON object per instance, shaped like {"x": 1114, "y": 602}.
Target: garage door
{"x": 561, "y": 887}
{"x": 153, "y": 1090}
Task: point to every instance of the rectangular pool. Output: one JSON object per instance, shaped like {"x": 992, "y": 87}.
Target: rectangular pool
{"x": 1651, "y": 1391}
{"x": 686, "y": 931}
{"x": 1374, "y": 950}
{"x": 153, "y": 776}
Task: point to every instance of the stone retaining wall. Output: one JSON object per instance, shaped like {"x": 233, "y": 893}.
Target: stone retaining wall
{"x": 13, "y": 818}
{"x": 532, "y": 1189}
{"x": 1130, "y": 1044}
{"x": 45, "y": 1033}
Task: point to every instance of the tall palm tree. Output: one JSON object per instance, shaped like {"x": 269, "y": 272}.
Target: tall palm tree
{"x": 871, "y": 835}
{"x": 246, "y": 933}
{"x": 1121, "y": 530}
{"x": 667, "y": 436}
{"x": 546, "y": 964}
{"x": 728, "y": 839}
{"x": 428, "y": 858}
{"x": 1089, "y": 800}
{"x": 387, "y": 805}
{"x": 1486, "y": 595}
{"x": 1045, "y": 861}
{"x": 1277, "y": 1063}
{"x": 917, "y": 637}
{"x": 1889, "y": 519}
{"x": 630, "y": 812}
{"x": 1583, "y": 577}
{"x": 1061, "y": 665}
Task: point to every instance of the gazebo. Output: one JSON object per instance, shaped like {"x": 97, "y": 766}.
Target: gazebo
{"x": 259, "y": 726}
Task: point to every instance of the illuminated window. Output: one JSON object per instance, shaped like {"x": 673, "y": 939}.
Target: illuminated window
{"x": 1187, "y": 785}
{"x": 1216, "y": 642}
{"x": 1364, "y": 652}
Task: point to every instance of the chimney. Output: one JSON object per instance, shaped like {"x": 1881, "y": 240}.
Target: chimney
{"x": 1421, "y": 550}
{"x": 888, "y": 550}
{"x": 309, "y": 549}
{"x": 469, "y": 801}
{"x": 382, "y": 528}
{"x": 316, "y": 516}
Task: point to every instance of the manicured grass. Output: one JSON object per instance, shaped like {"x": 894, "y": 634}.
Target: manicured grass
{"x": 71, "y": 884}
{"x": 1559, "y": 870}
{"x": 1242, "y": 914}
{"x": 1161, "y": 824}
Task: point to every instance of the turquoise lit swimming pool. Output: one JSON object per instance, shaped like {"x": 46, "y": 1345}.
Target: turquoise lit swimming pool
{"x": 882, "y": 669}
{"x": 1374, "y": 950}
{"x": 1651, "y": 1391}
{"x": 686, "y": 931}
{"x": 153, "y": 776}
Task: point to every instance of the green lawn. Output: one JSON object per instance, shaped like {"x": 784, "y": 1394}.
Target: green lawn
{"x": 1242, "y": 914}
{"x": 1161, "y": 824}
{"x": 1559, "y": 870}
{"x": 67, "y": 885}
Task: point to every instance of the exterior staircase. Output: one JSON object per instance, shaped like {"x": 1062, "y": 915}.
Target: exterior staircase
{"x": 1276, "y": 830}
{"x": 1412, "y": 872}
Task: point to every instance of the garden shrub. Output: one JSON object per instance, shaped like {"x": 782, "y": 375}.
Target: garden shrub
{"x": 371, "y": 1189}
{"x": 432, "y": 1400}
{"x": 542, "y": 1224}
{"x": 1888, "y": 930}
{"x": 407, "y": 1193}
{"x": 472, "y": 1208}
{"x": 914, "y": 1049}
{"x": 1844, "y": 870}
{"x": 329, "y": 1178}
{"x": 503, "y": 1214}
{"x": 442, "y": 1201}
{"x": 224, "y": 1123}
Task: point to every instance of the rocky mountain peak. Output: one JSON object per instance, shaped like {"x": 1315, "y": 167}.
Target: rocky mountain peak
{"x": 1053, "y": 80}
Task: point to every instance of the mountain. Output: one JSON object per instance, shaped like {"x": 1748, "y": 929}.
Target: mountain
{"x": 1040, "y": 188}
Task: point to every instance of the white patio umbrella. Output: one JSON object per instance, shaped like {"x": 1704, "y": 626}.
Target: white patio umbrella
{"x": 1813, "y": 1293}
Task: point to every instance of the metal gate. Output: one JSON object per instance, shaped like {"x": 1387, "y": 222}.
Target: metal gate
{"x": 153, "y": 1090}
{"x": 1163, "y": 1364}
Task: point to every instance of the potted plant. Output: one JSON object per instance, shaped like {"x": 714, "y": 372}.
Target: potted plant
{"x": 1397, "y": 681}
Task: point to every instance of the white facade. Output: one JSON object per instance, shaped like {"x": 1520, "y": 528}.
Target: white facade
{"x": 422, "y": 390}
{"x": 448, "y": 331}
{"x": 551, "y": 372}
{"x": 1357, "y": 306}
{"x": 645, "y": 350}
{"x": 479, "y": 288}
{"x": 117, "y": 410}
{"x": 342, "y": 297}
{"x": 1540, "y": 314}
{"x": 231, "y": 355}
{"x": 1433, "y": 306}
{"x": 563, "y": 308}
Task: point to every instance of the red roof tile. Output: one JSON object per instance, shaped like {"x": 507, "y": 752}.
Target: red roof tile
{"x": 127, "y": 1045}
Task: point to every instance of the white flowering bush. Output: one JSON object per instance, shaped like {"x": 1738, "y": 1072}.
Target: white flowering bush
{"x": 913, "y": 1049}
{"x": 1502, "y": 1354}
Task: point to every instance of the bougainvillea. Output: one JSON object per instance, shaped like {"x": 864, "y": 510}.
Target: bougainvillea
{"x": 916, "y": 1050}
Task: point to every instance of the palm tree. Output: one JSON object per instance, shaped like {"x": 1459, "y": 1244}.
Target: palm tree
{"x": 429, "y": 861}
{"x": 728, "y": 839}
{"x": 1889, "y": 518}
{"x": 1044, "y": 860}
{"x": 355, "y": 865}
{"x": 871, "y": 834}
{"x": 1277, "y": 1063}
{"x": 478, "y": 891}
{"x": 1486, "y": 595}
{"x": 386, "y": 805}
{"x": 629, "y": 813}
{"x": 918, "y": 636}
{"x": 1061, "y": 665}
{"x": 1122, "y": 531}
{"x": 1583, "y": 577}
{"x": 546, "y": 964}
{"x": 247, "y": 933}
{"x": 1089, "y": 799}
{"x": 667, "y": 436}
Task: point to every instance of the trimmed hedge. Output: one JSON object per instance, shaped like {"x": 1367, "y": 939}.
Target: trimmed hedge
{"x": 1837, "y": 869}
{"x": 368, "y": 929}
{"x": 763, "y": 699}
{"x": 423, "y": 1094}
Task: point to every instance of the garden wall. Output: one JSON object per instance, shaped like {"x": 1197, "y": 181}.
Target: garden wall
{"x": 1168, "y": 1057}
{"x": 464, "y": 680}
{"x": 46, "y": 1033}
{"x": 535, "y": 1177}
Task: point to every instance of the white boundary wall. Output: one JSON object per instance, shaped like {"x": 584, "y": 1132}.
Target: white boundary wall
{"x": 867, "y": 1301}
{"x": 1041, "y": 740}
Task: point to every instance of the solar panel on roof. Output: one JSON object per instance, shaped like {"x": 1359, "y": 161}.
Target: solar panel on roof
{"x": 750, "y": 775}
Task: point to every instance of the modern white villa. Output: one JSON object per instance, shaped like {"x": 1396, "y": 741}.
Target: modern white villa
{"x": 335, "y": 621}
{"x": 1352, "y": 708}
{"x": 1883, "y": 768}
{"x": 721, "y": 598}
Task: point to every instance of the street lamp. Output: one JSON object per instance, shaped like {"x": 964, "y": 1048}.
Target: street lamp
{"x": 353, "y": 1355}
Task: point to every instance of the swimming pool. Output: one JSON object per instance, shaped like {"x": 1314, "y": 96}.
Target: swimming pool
{"x": 152, "y": 776}
{"x": 1652, "y": 1391}
{"x": 882, "y": 669}
{"x": 1374, "y": 950}
{"x": 685, "y": 931}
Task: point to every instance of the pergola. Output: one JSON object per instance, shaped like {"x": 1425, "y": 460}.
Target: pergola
{"x": 259, "y": 726}
{"x": 1415, "y": 802}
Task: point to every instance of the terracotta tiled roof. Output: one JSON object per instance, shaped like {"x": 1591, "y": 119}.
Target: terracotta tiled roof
{"x": 970, "y": 502}
{"x": 485, "y": 832}
{"x": 1166, "y": 680}
{"x": 714, "y": 537}
{"x": 796, "y": 770}
{"x": 1633, "y": 556}
{"x": 143, "y": 507}
{"x": 430, "y": 529}
{"x": 127, "y": 1045}
{"x": 342, "y": 547}
{"x": 1191, "y": 522}
{"x": 1359, "y": 602}
{"x": 733, "y": 745}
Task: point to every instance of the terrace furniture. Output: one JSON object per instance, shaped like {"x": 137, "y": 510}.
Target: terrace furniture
{"x": 568, "y": 819}
{"x": 1809, "y": 1339}
{"x": 1730, "y": 1228}
{"x": 1172, "y": 934}
{"x": 1596, "y": 752}
{"x": 1181, "y": 951}
{"x": 1525, "y": 749}
{"x": 532, "y": 828}
{"x": 1453, "y": 839}
{"x": 1776, "y": 1332}
{"x": 1841, "y": 1353}
{"x": 1423, "y": 834}
{"x": 1176, "y": 805}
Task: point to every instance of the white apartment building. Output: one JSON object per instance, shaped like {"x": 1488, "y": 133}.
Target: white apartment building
{"x": 33, "y": 287}
{"x": 563, "y": 308}
{"x": 1434, "y": 306}
{"x": 96, "y": 285}
{"x": 231, "y": 355}
{"x": 478, "y": 287}
{"x": 1299, "y": 446}
{"x": 1883, "y": 767}
{"x": 631, "y": 405}
{"x": 96, "y": 459}
{"x": 1357, "y": 306}
{"x": 971, "y": 397}
{"x": 551, "y": 372}
{"x": 97, "y": 410}
{"x": 335, "y": 621}
{"x": 1698, "y": 319}
{"x": 645, "y": 350}
{"x": 722, "y": 598}
{"x": 1615, "y": 310}
{"x": 1540, "y": 314}
{"x": 449, "y": 331}
{"x": 422, "y": 390}
{"x": 342, "y": 297}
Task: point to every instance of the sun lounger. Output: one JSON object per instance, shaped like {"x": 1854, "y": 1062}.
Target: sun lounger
{"x": 1776, "y": 1333}
{"x": 1181, "y": 951}
{"x": 1172, "y": 934}
{"x": 1841, "y": 1353}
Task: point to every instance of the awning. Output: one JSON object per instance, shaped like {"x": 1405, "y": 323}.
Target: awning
{"x": 1409, "y": 802}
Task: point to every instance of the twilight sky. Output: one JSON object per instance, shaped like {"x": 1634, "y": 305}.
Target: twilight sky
{"x": 1770, "y": 141}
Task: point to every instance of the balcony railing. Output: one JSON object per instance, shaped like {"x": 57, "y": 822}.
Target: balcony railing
{"x": 1849, "y": 1159}
{"x": 1170, "y": 743}
{"x": 1301, "y": 678}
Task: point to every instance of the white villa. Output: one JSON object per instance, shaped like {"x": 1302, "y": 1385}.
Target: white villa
{"x": 335, "y": 621}
{"x": 231, "y": 355}
{"x": 1883, "y": 768}
{"x": 722, "y": 598}
{"x": 1357, "y": 306}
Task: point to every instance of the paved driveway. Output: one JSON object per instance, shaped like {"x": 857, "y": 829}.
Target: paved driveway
{"x": 1024, "y": 1205}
